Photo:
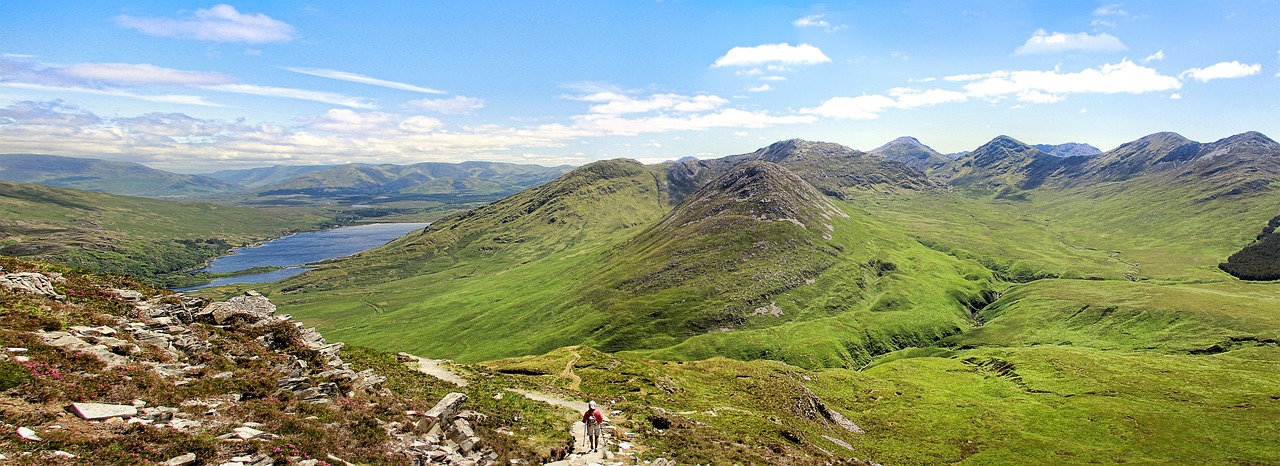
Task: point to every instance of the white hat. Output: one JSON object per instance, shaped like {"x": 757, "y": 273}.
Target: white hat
{"x": 591, "y": 405}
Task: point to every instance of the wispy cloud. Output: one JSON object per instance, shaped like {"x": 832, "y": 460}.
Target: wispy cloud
{"x": 458, "y": 105}
{"x": 133, "y": 80}
{"x": 817, "y": 21}
{"x": 1159, "y": 55}
{"x": 129, "y": 73}
{"x": 1224, "y": 70}
{"x": 360, "y": 78}
{"x": 158, "y": 98}
{"x": 760, "y": 88}
{"x": 617, "y": 103}
{"x": 298, "y": 94}
{"x": 778, "y": 54}
{"x": 221, "y": 23}
{"x": 1042, "y": 42}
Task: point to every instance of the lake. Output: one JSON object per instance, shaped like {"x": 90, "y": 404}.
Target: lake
{"x": 302, "y": 248}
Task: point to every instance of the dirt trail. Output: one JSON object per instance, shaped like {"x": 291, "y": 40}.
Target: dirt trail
{"x": 575, "y": 382}
{"x": 434, "y": 368}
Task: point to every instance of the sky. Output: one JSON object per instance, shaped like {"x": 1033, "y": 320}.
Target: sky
{"x": 196, "y": 87}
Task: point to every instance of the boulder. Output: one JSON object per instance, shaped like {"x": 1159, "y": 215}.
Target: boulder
{"x": 99, "y": 411}
{"x": 442, "y": 412}
{"x": 252, "y": 305}
{"x": 183, "y": 460}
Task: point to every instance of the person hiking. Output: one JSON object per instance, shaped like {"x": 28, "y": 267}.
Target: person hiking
{"x": 591, "y": 421}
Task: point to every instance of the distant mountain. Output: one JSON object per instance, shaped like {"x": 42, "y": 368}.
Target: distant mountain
{"x": 1069, "y": 149}
{"x": 1242, "y": 163}
{"x": 910, "y": 151}
{"x": 421, "y": 178}
{"x": 123, "y": 178}
{"x": 833, "y": 169}
{"x": 152, "y": 239}
{"x": 1006, "y": 163}
{"x": 263, "y": 176}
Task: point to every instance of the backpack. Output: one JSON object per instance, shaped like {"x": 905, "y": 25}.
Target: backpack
{"x": 591, "y": 418}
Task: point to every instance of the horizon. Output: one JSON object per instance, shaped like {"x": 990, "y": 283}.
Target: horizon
{"x": 208, "y": 86}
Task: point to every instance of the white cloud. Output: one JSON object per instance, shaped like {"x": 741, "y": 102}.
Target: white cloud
{"x": 457, "y": 105}
{"x": 617, "y": 103}
{"x": 1123, "y": 77}
{"x": 783, "y": 54}
{"x": 773, "y": 78}
{"x": 158, "y": 98}
{"x": 1083, "y": 110}
{"x": 863, "y": 107}
{"x": 299, "y": 94}
{"x": 811, "y": 21}
{"x": 614, "y": 125}
{"x": 1032, "y": 87}
{"x": 760, "y": 88}
{"x": 1175, "y": 96}
{"x": 1159, "y": 55}
{"x": 1223, "y": 70}
{"x": 360, "y": 78}
{"x": 816, "y": 21}
{"x": 1113, "y": 9}
{"x": 222, "y": 23}
{"x": 127, "y": 73}
{"x": 1042, "y": 42}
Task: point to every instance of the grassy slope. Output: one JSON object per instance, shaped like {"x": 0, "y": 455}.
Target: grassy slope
{"x": 491, "y": 283}
{"x": 1158, "y": 358}
{"x": 137, "y": 236}
{"x": 500, "y": 283}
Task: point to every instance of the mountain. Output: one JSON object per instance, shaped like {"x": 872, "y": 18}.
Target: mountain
{"x": 910, "y": 151}
{"x": 833, "y": 169}
{"x": 754, "y": 232}
{"x": 148, "y": 238}
{"x": 1006, "y": 163}
{"x": 263, "y": 176}
{"x": 1231, "y": 166}
{"x": 1069, "y": 149}
{"x": 487, "y": 178}
{"x": 123, "y": 178}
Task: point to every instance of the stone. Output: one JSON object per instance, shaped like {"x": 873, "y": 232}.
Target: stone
{"x": 99, "y": 411}
{"x": 63, "y": 454}
{"x": 252, "y": 305}
{"x": 30, "y": 282}
{"x": 468, "y": 444}
{"x": 246, "y": 433}
{"x": 442, "y": 412}
{"x": 28, "y": 434}
{"x": 183, "y": 460}
{"x": 128, "y": 295}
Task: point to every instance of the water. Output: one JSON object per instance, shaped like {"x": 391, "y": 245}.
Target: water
{"x": 303, "y": 248}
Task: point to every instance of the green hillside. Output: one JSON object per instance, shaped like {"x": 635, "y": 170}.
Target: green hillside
{"x": 147, "y": 238}
{"x": 1039, "y": 309}
{"x": 123, "y": 178}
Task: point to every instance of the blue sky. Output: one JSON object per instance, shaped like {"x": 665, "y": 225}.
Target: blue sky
{"x": 201, "y": 86}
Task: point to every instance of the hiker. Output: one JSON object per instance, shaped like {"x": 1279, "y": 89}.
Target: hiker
{"x": 592, "y": 420}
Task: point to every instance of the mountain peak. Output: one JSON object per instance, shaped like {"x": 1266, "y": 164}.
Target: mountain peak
{"x": 1069, "y": 149}
{"x": 760, "y": 190}
{"x": 911, "y": 151}
{"x": 793, "y": 149}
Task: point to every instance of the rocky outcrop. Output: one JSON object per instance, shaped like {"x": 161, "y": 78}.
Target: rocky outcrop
{"x": 174, "y": 335}
{"x": 31, "y": 282}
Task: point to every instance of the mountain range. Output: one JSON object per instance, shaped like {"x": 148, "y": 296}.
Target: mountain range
{"x": 123, "y": 178}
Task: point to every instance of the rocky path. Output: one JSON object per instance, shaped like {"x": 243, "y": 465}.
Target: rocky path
{"x": 432, "y": 367}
